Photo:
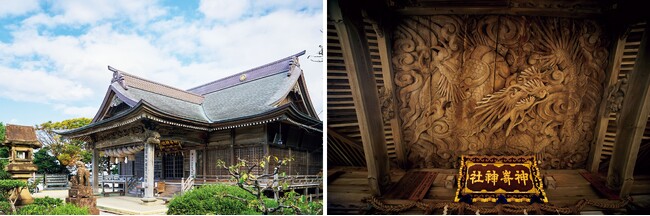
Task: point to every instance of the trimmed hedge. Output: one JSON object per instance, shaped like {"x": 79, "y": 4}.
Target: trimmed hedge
{"x": 48, "y": 201}
{"x": 7, "y": 185}
{"x": 205, "y": 200}
{"x": 69, "y": 209}
{"x": 51, "y": 206}
{"x": 306, "y": 208}
{"x": 32, "y": 209}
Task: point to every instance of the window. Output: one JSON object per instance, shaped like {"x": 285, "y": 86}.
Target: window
{"x": 173, "y": 166}
{"x": 21, "y": 155}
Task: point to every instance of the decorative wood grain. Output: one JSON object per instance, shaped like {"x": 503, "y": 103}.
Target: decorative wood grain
{"x": 498, "y": 85}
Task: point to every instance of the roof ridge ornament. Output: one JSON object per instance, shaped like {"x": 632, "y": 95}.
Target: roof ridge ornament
{"x": 293, "y": 63}
{"x": 118, "y": 77}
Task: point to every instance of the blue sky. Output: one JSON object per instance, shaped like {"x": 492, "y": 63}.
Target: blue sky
{"x": 53, "y": 54}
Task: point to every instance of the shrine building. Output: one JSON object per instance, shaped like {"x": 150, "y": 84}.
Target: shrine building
{"x": 156, "y": 133}
{"x": 488, "y": 107}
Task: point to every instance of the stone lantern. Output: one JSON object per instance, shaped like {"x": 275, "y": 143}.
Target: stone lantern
{"x": 22, "y": 141}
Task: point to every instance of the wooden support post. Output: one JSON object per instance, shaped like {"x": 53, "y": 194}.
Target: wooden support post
{"x": 148, "y": 173}
{"x": 602, "y": 119}
{"x": 349, "y": 25}
{"x": 205, "y": 162}
{"x": 266, "y": 152}
{"x": 632, "y": 121}
{"x": 95, "y": 161}
{"x": 232, "y": 147}
{"x": 387, "y": 72}
{"x": 308, "y": 163}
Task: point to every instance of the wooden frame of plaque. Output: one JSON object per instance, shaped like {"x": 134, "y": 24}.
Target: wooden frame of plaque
{"x": 484, "y": 178}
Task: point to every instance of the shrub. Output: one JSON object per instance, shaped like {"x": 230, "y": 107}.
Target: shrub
{"x": 5, "y": 207}
{"x": 209, "y": 200}
{"x": 6, "y": 185}
{"x": 32, "y": 209}
{"x": 48, "y": 202}
{"x": 69, "y": 209}
{"x": 51, "y": 206}
{"x": 306, "y": 208}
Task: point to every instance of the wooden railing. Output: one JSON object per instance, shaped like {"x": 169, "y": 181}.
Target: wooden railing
{"x": 295, "y": 181}
{"x": 131, "y": 183}
{"x": 56, "y": 180}
{"x": 187, "y": 184}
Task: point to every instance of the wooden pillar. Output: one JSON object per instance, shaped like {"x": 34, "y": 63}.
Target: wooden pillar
{"x": 205, "y": 162}
{"x": 308, "y": 163}
{"x": 95, "y": 161}
{"x": 387, "y": 72}
{"x": 232, "y": 147}
{"x": 148, "y": 172}
{"x": 290, "y": 162}
{"x": 349, "y": 25}
{"x": 632, "y": 121}
{"x": 614, "y": 66}
{"x": 267, "y": 152}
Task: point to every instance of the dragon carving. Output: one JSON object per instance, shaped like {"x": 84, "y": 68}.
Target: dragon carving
{"x": 498, "y": 85}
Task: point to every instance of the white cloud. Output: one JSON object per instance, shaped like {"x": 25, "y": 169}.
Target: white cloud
{"x": 92, "y": 11}
{"x": 223, "y": 10}
{"x": 39, "y": 86}
{"x": 173, "y": 50}
{"x": 85, "y": 111}
{"x": 13, "y": 8}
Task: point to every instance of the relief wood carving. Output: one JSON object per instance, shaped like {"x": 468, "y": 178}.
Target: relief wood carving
{"x": 498, "y": 85}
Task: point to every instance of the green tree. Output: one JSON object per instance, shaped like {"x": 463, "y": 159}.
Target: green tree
{"x": 67, "y": 151}
{"x": 47, "y": 163}
{"x": 10, "y": 190}
{"x": 4, "y": 154}
{"x": 246, "y": 179}
{"x": 2, "y": 133}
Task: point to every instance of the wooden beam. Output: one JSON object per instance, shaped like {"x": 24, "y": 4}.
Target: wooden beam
{"x": 560, "y": 12}
{"x": 576, "y": 9}
{"x": 349, "y": 25}
{"x": 395, "y": 123}
{"x": 602, "y": 119}
{"x": 344, "y": 139}
{"x": 632, "y": 121}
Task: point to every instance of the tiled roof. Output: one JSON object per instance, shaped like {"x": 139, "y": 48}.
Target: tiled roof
{"x": 20, "y": 133}
{"x": 244, "y": 94}
{"x": 167, "y": 104}
{"x": 275, "y": 67}
{"x": 246, "y": 99}
{"x": 132, "y": 81}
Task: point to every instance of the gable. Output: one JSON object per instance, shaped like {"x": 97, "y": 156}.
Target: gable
{"x": 114, "y": 103}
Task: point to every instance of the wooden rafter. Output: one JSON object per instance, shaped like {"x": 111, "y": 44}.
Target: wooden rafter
{"x": 348, "y": 23}
{"x": 632, "y": 122}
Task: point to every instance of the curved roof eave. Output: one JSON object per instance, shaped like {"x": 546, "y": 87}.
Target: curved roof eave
{"x": 288, "y": 109}
{"x": 93, "y": 124}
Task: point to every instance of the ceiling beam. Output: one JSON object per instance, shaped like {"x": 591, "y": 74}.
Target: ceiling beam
{"x": 349, "y": 25}
{"x": 632, "y": 121}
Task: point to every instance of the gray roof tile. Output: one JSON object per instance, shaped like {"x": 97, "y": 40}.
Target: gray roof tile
{"x": 221, "y": 100}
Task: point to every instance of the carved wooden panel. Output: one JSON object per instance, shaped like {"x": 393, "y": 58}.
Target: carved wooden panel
{"x": 498, "y": 85}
